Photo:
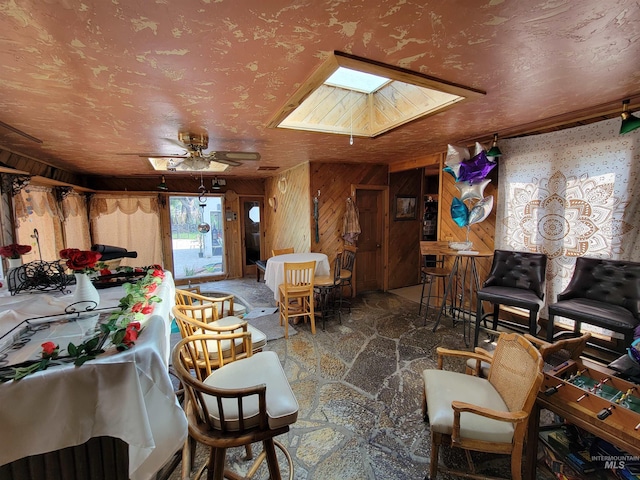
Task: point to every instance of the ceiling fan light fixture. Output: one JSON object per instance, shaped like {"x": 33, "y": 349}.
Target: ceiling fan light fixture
{"x": 494, "y": 151}
{"x": 629, "y": 122}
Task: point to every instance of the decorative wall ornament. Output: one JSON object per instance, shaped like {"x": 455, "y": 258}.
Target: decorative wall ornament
{"x": 14, "y": 183}
{"x": 62, "y": 192}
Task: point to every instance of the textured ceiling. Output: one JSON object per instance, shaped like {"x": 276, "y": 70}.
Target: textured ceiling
{"x": 94, "y": 79}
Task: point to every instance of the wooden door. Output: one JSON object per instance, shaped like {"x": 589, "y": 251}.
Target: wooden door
{"x": 252, "y": 209}
{"x": 369, "y": 268}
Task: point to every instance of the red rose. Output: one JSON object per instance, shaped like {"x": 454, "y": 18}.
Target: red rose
{"x": 147, "y": 310}
{"x": 67, "y": 252}
{"x": 131, "y": 333}
{"x": 105, "y": 271}
{"x": 158, "y": 273}
{"x": 48, "y": 349}
{"x": 137, "y": 307}
{"x": 82, "y": 259}
{"x": 151, "y": 288}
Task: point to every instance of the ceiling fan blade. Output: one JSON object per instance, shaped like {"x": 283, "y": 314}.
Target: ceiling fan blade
{"x": 176, "y": 142}
{"x": 224, "y": 161}
{"x": 238, "y": 156}
{"x": 155, "y": 155}
{"x": 233, "y": 159}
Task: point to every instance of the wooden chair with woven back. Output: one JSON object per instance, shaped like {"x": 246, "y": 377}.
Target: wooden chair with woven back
{"x": 239, "y": 400}
{"x": 484, "y": 414}
{"x": 296, "y": 294}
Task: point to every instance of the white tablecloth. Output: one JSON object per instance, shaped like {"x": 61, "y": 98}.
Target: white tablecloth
{"x": 274, "y": 271}
{"x": 127, "y": 395}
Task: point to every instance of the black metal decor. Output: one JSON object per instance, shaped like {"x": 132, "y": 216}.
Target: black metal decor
{"x": 38, "y": 275}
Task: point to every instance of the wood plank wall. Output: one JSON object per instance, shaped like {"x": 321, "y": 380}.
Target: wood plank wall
{"x": 289, "y": 224}
{"x": 404, "y": 235}
{"x": 334, "y": 180}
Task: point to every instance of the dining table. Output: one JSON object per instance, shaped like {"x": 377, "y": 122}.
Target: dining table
{"x": 126, "y": 395}
{"x": 274, "y": 271}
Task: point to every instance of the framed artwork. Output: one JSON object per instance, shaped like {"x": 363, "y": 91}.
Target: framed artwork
{"x": 406, "y": 207}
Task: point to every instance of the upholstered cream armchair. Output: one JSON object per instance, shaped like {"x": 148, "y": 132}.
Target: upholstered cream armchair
{"x": 484, "y": 414}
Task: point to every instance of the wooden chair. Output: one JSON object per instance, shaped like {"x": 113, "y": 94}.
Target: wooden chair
{"x": 484, "y": 414}
{"x": 225, "y": 303}
{"x": 189, "y": 320}
{"x": 347, "y": 264}
{"x": 281, "y": 251}
{"x": 296, "y": 294}
{"x": 242, "y": 401}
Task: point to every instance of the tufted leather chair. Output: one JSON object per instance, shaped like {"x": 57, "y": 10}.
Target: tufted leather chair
{"x": 602, "y": 292}
{"x": 516, "y": 279}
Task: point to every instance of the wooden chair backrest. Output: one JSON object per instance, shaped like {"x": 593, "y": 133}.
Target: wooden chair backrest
{"x": 281, "y": 251}
{"x": 516, "y": 371}
{"x": 187, "y": 353}
{"x": 299, "y": 276}
{"x": 194, "y": 297}
{"x": 348, "y": 259}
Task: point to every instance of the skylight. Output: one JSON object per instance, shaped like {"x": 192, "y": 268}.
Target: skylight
{"x": 349, "y": 95}
{"x": 355, "y": 80}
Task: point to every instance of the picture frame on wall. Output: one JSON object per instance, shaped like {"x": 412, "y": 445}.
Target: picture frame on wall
{"x": 406, "y": 207}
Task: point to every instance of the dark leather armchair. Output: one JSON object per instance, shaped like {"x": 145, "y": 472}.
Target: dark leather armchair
{"x": 516, "y": 279}
{"x": 602, "y": 292}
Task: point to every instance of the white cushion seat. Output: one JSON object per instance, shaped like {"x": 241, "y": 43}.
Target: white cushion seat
{"x": 260, "y": 368}
{"x": 456, "y": 386}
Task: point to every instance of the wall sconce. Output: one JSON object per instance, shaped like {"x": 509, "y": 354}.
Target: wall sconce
{"x": 218, "y": 183}
{"x": 629, "y": 122}
{"x": 494, "y": 151}
{"x": 163, "y": 185}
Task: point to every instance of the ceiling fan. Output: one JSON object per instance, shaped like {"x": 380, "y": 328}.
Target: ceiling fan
{"x": 195, "y": 157}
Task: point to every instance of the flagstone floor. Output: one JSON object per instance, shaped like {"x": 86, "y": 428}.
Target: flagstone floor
{"x": 359, "y": 388}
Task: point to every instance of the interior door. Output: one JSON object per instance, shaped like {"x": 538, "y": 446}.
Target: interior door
{"x": 252, "y": 210}
{"x": 370, "y": 259}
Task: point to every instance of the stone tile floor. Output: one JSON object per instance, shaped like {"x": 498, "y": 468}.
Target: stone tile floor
{"x": 359, "y": 387}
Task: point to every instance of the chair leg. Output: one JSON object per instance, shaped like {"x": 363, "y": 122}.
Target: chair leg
{"x": 436, "y": 440}
{"x": 516, "y": 462}
{"x": 272, "y": 459}
{"x": 312, "y": 315}
{"x": 424, "y": 281}
{"x": 217, "y": 460}
{"x": 476, "y": 336}
{"x": 426, "y": 308}
{"x": 533, "y": 322}
{"x": 550, "y": 328}
{"x": 496, "y": 314}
